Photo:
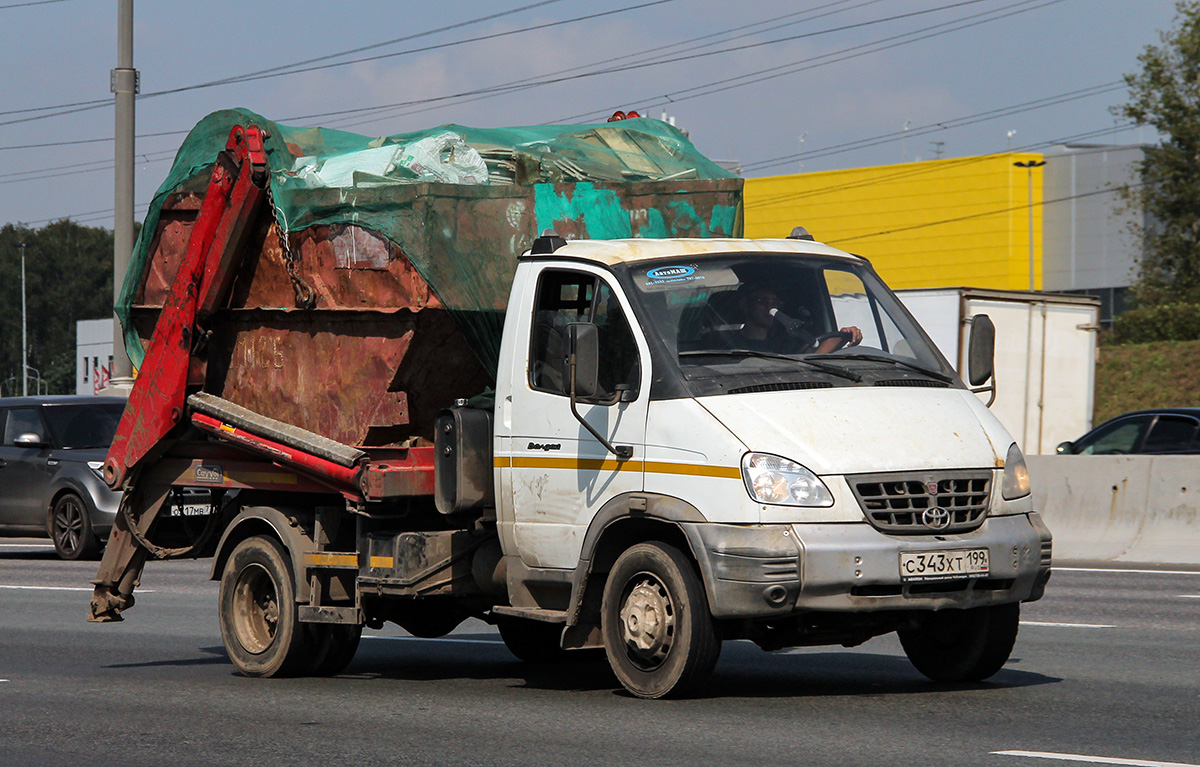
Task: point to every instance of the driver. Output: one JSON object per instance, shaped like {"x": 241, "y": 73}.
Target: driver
{"x": 765, "y": 329}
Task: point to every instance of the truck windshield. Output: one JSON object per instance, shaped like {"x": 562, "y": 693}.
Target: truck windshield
{"x": 766, "y": 319}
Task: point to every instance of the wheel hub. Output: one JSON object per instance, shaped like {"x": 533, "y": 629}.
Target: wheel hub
{"x": 648, "y": 622}
{"x": 255, "y": 609}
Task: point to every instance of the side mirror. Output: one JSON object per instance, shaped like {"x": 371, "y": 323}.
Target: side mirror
{"x": 1065, "y": 448}
{"x": 583, "y": 344}
{"x": 29, "y": 439}
{"x": 583, "y": 378}
{"x": 981, "y": 350}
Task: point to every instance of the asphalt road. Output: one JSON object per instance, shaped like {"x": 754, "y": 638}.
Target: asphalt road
{"x": 1106, "y": 671}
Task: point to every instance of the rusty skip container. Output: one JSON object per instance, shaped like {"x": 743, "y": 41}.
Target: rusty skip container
{"x": 359, "y": 311}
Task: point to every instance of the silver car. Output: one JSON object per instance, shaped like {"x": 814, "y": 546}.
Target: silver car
{"x": 51, "y": 453}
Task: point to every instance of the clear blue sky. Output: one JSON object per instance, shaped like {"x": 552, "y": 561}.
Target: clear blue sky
{"x": 757, "y": 82}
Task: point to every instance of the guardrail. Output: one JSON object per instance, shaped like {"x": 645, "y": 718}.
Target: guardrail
{"x": 1120, "y": 508}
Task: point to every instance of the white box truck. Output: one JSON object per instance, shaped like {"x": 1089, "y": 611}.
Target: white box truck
{"x": 1045, "y": 368}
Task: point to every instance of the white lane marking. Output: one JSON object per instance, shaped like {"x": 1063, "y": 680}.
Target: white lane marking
{"x": 435, "y": 639}
{"x": 62, "y": 588}
{"x": 1189, "y": 596}
{"x": 1093, "y": 759}
{"x": 1119, "y": 570}
{"x": 1069, "y": 625}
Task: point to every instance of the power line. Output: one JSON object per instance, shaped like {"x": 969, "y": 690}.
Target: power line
{"x": 852, "y": 52}
{"x": 292, "y": 70}
{"x": 32, "y": 2}
{"x": 926, "y": 168}
{"x": 559, "y": 77}
{"x": 77, "y": 142}
{"x": 958, "y": 122}
{"x": 426, "y": 33}
{"x": 985, "y": 214}
{"x": 649, "y": 54}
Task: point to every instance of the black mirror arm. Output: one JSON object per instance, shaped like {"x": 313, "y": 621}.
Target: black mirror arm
{"x": 992, "y": 389}
{"x": 622, "y": 452}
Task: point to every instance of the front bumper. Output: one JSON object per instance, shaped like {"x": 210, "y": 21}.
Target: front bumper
{"x": 772, "y": 571}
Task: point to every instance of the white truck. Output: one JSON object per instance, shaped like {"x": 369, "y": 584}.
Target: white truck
{"x": 688, "y": 441}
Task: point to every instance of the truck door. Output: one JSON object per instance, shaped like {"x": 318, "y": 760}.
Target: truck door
{"x": 561, "y": 475}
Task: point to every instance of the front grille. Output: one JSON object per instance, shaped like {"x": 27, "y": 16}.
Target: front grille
{"x": 896, "y": 503}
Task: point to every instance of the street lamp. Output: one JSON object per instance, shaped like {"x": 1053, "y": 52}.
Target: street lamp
{"x": 1029, "y": 166}
{"x": 24, "y": 335}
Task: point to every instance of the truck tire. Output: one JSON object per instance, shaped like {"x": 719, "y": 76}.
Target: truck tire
{"x": 259, "y": 623}
{"x": 334, "y": 647}
{"x": 532, "y": 641}
{"x": 658, "y": 633}
{"x": 963, "y": 645}
{"x": 71, "y": 529}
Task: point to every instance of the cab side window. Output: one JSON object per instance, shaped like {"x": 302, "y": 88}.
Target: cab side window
{"x": 564, "y": 297}
{"x": 20, "y": 421}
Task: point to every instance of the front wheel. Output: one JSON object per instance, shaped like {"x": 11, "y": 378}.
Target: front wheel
{"x": 963, "y": 645}
{"x": 658, "y": 633}
{"x": 259, "y": 621}
{"x": 71, "y": 529}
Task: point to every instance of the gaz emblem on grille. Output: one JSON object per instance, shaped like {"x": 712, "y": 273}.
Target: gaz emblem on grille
{"x": 932, "y": 488}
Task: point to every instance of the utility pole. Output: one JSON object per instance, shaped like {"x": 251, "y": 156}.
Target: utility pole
{"x": 24, "y": 333}
{"x": 124, "y": 84}
{"x": 1029, "y": 166}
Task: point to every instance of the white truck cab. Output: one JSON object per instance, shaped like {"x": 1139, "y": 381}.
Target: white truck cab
{"x": 706, "y": 439}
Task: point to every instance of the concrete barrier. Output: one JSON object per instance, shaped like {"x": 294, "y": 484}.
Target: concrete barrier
{"x": 1120, "y": 508}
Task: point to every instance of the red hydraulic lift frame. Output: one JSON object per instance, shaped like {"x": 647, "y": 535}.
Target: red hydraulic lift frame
{"x": 238, "y": 186}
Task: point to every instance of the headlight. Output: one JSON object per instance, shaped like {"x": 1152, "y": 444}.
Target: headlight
{"x": 97, "y": 468}
{"x": 1016, "y": 475}
{"x": 771, "y": 479}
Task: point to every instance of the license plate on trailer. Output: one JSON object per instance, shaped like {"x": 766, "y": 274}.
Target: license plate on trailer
{"x": 942, "y": 565}
{"x": 191, "y": 510}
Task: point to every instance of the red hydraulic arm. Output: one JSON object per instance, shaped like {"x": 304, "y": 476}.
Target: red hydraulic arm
{"x": 236, "y": 190}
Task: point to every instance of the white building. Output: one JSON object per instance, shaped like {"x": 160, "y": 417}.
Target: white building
{"x": 94, "y": 352}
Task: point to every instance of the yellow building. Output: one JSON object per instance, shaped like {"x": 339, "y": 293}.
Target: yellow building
{"x": 963, "y": 221}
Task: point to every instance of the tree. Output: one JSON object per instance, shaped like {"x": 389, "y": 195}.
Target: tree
{"x": 68, "y": 277}
{"x": 1165, "y": 94}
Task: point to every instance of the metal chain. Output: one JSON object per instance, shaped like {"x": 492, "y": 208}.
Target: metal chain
{"x": 306, "y": 297}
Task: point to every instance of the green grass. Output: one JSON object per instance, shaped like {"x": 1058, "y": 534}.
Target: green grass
{"x": 1137, "y": 376}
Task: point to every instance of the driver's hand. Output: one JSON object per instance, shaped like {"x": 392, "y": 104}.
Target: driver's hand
{"x": 855, "y": 335}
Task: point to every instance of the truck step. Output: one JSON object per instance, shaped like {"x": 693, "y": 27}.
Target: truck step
{"x": 531, "y": 613}
{"x": 292, "y": 436}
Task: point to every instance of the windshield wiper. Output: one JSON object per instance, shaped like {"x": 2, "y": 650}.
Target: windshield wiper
{"x": 830, "y": 369}
{"x": 934, "y": 374}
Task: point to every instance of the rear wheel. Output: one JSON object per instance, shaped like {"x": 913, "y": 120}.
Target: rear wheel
{"x": 532, "y": 641}
{"x": 963, "y": 645}
{"x": 71, "y": 529}
{"x": 658, "y": 633}
{"x": 258, "y": 611}
{"x": 333, "y": 647}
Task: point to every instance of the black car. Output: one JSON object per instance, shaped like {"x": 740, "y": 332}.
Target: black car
{"x": 1160, "y": 431}
{"x": 52, "y": 450}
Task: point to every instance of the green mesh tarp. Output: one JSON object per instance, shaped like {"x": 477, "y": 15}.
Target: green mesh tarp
{"x": 446, "y": 196}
